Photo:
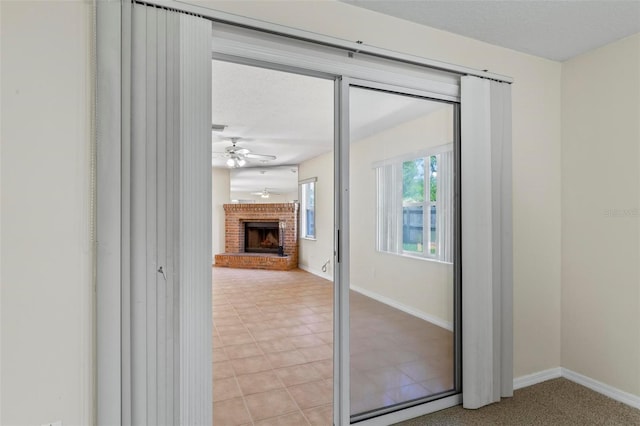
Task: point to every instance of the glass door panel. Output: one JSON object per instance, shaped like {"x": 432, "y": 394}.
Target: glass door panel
{"x": 401, "y": 251}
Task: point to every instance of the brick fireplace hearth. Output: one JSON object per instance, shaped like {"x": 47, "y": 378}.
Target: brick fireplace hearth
{"x": 237, "y": 215}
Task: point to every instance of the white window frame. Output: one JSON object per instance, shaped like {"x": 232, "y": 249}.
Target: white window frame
{"x": 426, "y": 212}
{"x": 426, "y": 204}
{"x": 304, "y": 185}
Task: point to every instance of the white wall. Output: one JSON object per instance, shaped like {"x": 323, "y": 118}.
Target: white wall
{"x": 313, "y": 254}
{"x": 1, "y": 192}
{"x": 536, "y": 144}
{"x": 424, "y": 286}
{"x": 372, "y": 271}
{"x": 220, "y": 195}
{"x": 47, "y": 306}
{"x": 600, "y": 214}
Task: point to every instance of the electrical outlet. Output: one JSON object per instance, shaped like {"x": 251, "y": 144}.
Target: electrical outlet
{"x": 56, "y": 423}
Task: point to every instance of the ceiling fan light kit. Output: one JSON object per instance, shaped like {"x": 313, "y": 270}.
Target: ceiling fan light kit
{"x": 265, "y": 193}
{"x": 238, "y": 157}
{"x": 235, "y": 162}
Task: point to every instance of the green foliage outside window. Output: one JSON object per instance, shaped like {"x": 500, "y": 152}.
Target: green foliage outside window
{"x": 433, "y": 180}
{"x": 413, "y": 195}
{"x": 413, "y": 181}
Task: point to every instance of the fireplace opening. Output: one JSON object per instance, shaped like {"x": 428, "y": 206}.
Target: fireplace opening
{"x": 261, "y": 237}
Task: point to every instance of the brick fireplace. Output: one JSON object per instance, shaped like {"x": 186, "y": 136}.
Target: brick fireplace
{"x": 267, "y": 224}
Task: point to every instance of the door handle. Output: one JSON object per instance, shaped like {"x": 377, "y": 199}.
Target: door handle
{"x": 162, "y": 272}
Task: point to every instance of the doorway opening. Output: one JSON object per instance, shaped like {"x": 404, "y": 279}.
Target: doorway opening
{"x": 371, "y": 64}
{"x": 272, "y": 283}
{"x": 273, "y": 274}
{"x": 402, "y": 260}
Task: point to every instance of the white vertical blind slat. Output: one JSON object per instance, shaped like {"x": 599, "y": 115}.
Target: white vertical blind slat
{"x": 501, "y": 129}
{"x": 195, "y": 226}
{"x": 163, "y": 369}
{"x": 138, "y": 217}
{"x": 445, "y": 206}
{"x": 151, "y": 214}
{"x": 389, "y": 178}
{"x": 396, "y": 205}
{"x": 173, "y": 259}
{"x": 126, "y": 120}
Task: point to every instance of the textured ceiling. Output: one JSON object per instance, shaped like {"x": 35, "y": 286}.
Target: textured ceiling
{"x": 272, "y": 112}
{"x": 291, "y": 116}
{"x": 552, "y": 29}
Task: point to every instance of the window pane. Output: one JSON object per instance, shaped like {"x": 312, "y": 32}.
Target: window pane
{"x": 311, "y": 227}
{"x": 433, "y": 177}
{"x": 413, "y": 181}
{"x": 412, "y": 228}
{"x": 308, "y": 210}
{"x": 401, "y": 272}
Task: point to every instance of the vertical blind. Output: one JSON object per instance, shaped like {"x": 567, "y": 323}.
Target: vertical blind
{"x": 487, "y": 260}
{"x": 389, "y": 203}
{"x": 169, "y": 370}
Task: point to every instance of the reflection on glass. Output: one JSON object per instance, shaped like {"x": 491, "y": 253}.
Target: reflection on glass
{"x": 401, "y": 209}
{"x": 412, "y": 205}
{"x": 308, "y": 209}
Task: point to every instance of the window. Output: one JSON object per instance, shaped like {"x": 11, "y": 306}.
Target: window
{"x": 415, "y": 205}
{"x": 308, "y": 208}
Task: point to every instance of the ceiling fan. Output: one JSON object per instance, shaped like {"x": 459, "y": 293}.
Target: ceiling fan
{"x": 238, "y": 157}
{"x": 265, "y": 193}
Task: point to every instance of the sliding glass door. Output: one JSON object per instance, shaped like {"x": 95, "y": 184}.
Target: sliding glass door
{"x": 400, "y": 271}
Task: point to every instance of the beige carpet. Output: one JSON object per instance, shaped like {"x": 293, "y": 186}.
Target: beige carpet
{"x": 555, "y": 402}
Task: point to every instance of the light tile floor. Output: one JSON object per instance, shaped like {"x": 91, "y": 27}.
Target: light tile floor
{"x": 273, "y": 350}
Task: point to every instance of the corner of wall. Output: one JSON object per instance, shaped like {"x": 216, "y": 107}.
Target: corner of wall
{"x": 600, "y": 153}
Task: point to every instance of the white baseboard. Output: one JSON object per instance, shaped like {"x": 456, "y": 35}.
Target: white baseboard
{"x": 535, "y": 378}
{"x": 316, "y": 272}
{"x": 596, "y": 386}
{"x": 604, "y": 389}
{"x": 386, "y": 300}
{"x": 404, "y": 308}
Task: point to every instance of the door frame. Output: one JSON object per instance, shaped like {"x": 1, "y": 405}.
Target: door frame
{"x": 342, "y": 414}
{"x": 112, "y": 315}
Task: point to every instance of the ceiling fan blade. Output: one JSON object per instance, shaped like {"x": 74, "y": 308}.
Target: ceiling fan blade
{"x": 220, "y": 154}
{"x": 236, "y": 150}
{"x": 260, "y": 156}
{"x": 265, "y": 193}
